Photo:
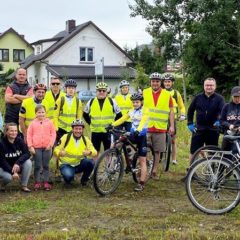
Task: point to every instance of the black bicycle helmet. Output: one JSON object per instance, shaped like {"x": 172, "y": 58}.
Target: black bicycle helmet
{"x": 168, "y": 77}
{"x": 70, "y": 83}
{"x": 40, "y": 86}
{"x": 78, "y": 122}
{"x": 136, "y": 96}
{"x": 156, "y": 76}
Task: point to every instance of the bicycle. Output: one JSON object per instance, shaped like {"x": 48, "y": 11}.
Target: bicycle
{"x": 213, "y": 182}
{"x": 165, "y": 157}
{"x": 109, "y": 168}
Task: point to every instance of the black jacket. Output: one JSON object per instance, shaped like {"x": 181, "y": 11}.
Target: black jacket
{"x": 12, "y": 153}
{"x": 208, "y": 110}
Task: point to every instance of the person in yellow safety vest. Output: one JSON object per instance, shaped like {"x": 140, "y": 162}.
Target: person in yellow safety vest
{"x": 67, "y": 109}
{"x": 124, "y": 102}
{"x": 75, "y": 156}
{"x": 27, "y": 110}
{"x": 179, "y": 109}
{"x": 53, "y": 94}
{"x": 160, "y": 105}
{"x": 99, "y": 113}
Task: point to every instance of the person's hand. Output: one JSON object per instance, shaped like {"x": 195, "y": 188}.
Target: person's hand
{"x": 192, "y": 128}
{"x": 143, "y": 132}
{"x": 16, "y": 168}
{"x": 217, "y": 124}
{"x": 49, "y": 147}
{"x": 62, "y": 153}
{"x": 171, "y": 130}
{"x": 32, "y": 150}
{"x": 15, "y": 176}
{"x": 86, "y": 153}
{"x": 182, "y": 118}
{"x": 231, "y": 127}
{"x": 109, "y": 127}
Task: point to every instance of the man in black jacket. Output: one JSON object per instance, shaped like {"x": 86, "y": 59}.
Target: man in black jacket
{"x": 208, "y": 106}
{"x": 14, "y": 158}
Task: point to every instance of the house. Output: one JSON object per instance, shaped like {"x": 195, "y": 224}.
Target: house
{"x": 73, "y": 52}
{"x": 13, "y": 49}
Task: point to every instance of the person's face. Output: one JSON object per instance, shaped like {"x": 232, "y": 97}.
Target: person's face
{"x": 236, "y": 99}
{"x": 21, "y": 76}
{"x": 55, "y": 84}
{"x": 40, "y": 114}
{"x": 70, "y": 91}
{"x": 12, "y": 132}
{"x": 167, "y": 84}
{"x": 124, "y": 90}
{"x": 77, "y": 131}
{"x": 101, "y": 93}
{"x": 209, "y": 87}
{"x": 137, "y": 104}
{"x": 155, "y": 84}
{"x": 39, "y": 94}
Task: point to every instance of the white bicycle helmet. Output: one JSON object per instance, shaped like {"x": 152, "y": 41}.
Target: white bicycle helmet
{"x": 156, "y": 76}
{"x": 123, "y": 83}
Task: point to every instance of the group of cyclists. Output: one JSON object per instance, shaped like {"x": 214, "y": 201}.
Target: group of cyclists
{"x": 53, "y": 121}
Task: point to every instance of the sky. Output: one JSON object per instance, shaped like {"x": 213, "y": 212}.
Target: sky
{"x": 44, "y": 18}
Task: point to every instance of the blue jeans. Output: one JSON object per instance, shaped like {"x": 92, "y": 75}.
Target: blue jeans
{"x": 85, "y": 166}
{"x": 25, "y": 174}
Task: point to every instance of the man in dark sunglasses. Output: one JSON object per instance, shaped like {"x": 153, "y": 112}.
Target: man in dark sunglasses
{"x": 53, "y": 94}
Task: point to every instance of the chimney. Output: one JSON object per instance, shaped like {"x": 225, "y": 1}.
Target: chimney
{"x": 70, "y": 25}
{"x": 22, "y": 35}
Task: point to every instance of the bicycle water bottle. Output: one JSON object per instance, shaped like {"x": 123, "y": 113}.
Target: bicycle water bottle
{"x": 1, "y": 122}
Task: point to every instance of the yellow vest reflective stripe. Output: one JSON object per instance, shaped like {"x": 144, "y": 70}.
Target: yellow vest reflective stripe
{"x": 74, "y": 154}
{"x": 101, "y": 118}
{"x": 125, "y": 104}
{"x": 51, "y": 102}
{"x": 159, "y": 114}
{"x": 68, "y": 115}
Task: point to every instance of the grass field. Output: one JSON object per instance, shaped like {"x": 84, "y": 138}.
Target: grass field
{"x": 162, "y": 211}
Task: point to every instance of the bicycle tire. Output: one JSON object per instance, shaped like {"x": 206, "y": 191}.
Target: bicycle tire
{"x": 199, "y": 152}
{"x": 108, "y": 172}
{"x": 216, "y": 190}
{"x": 165, "y": 157}
{"x": 150, "y": 159}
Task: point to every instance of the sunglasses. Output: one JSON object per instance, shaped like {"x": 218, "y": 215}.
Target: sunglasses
{"x": 55, "y": 84}
{"x": 101, "y": 90}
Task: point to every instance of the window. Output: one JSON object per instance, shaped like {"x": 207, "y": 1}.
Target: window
{"x": 4, "y": 55}
{"x": 86, "y": 54}
{"x": 18, "y": 55}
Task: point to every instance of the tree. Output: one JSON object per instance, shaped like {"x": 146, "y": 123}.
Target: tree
{"x": 141, "y": 80}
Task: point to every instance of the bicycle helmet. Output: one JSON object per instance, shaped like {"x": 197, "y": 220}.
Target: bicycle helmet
{"x": 156, "y": 76}
{"x": 101, "y": 85}
{"x": 40, "y": 86}
{"x": 136, "y": 96}
{"x": 168, "y": 77}
{"x": 123, "y": 83}
{"x": 77, "y": 122}
{"x": 70, "y": 83}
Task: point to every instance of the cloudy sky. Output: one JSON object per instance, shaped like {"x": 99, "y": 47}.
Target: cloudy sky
{"x": 43, "y": 19}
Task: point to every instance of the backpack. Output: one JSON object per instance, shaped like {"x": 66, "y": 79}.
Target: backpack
{"x": 63, "y": 101}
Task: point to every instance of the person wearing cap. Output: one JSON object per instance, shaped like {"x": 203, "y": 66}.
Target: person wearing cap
{"x": 160, "y": 105}
{"x": 178, "y": 107}
{"x": 124, "y": 102}
{"x": 75, "y": 152}
{"x": 15, "y": 93}
{"x": 67, "y": 109}
{"x": 230, "y": 116}
{"x": 207, "y": 106}
{"x": 27, "y": 110}
{"x": 99, "y": 113}
{"x": 53, "y": 94}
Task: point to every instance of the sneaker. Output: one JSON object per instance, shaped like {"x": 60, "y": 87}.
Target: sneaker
{"x": 37, "y": 186}
{"x": 139, "y": 188}
{"x": 154, "y": 176}
{"x": 174, "y": 162}
{"x": 47, "y": 186}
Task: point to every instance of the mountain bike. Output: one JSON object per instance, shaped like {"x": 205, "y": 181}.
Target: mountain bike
{"x": 109, "y": 168}
{"x": 165, "y": 157}
{"x": 213, "y": 181}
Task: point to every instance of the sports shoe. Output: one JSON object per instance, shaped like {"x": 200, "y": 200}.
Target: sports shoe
{"x": 155, "y": 177}
{"x": 47, "y": 186}
{"x": 37, "y": 186}
{"x": 139, "y": 188}
{"x": 174, "y": 162}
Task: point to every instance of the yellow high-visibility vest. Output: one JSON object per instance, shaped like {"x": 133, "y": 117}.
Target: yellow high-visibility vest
{"x": 125, "y": 104}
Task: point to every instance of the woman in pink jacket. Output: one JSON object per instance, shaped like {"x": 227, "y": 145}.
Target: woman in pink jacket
{"x": 41, "y": 136}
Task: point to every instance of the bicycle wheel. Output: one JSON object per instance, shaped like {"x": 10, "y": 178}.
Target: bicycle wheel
{"x": 215, "y": 190}
{"x": 165, "y": 157}
{"x": 136, "y": 165}
{"x": 201, "y": 153}
{"x": 108, "y": 172}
